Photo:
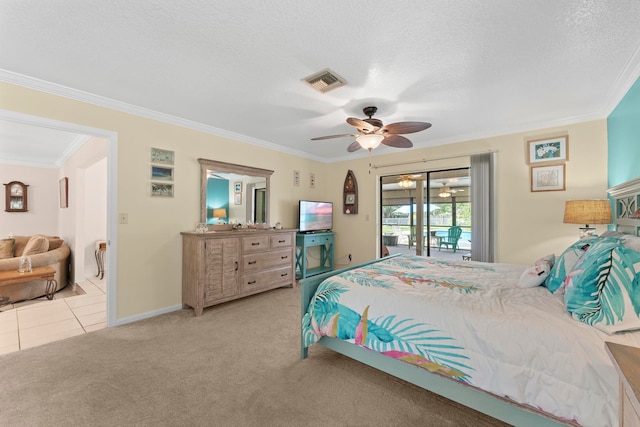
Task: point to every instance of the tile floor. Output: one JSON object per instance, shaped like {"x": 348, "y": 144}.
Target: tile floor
{"x": 36, "y": 322}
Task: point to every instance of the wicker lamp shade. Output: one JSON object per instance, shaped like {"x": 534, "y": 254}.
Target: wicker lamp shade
{"x": 587, "y": 212}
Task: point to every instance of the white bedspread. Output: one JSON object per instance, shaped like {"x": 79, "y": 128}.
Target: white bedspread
{"x": 469, "y": 321}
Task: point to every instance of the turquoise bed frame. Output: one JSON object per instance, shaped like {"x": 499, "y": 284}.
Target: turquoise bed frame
{"x": 471, "y": 397}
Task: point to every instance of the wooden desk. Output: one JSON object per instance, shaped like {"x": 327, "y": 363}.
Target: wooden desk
{"x": 627, "y": 362}
{"x": 46, "y": 274}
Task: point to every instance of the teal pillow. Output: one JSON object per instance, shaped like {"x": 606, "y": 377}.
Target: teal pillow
{"x": 565, "y": 263}
{"x": 603, "y": 289}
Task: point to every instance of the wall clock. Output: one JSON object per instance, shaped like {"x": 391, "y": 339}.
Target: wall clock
{"x": 350, "y": 194}
{"x": 16, "y": 197}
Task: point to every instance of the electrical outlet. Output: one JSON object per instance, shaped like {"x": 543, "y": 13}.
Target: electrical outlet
{"x": 123, "y": 218}
{"x": 349, "y": 257}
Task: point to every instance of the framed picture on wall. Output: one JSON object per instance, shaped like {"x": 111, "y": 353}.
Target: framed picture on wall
{"x": 550, "y": 150}
{"x": 165, "y": 157}
{"x": 237, "y": 199}
{"x": 64, "y": 192}
{"x": 237, "y": 187}
{"x": 548, "y": 178}
{"x": 161, "y": 173}
{"x": 160, "y": 189}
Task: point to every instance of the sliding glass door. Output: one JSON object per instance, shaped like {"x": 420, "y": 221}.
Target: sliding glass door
{"x": 419, "y": 209}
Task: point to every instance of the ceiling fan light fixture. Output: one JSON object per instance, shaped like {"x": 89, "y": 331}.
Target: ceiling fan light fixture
{"x": 370, "y": 140}
{"x": 445, "y": 192}
{"x": 405, "y": 182}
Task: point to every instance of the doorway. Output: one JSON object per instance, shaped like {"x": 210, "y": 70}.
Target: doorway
{"x": 418, "y": 210}
{"x": 68, "y": 220}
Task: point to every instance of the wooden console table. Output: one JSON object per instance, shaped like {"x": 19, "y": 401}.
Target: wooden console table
{"x": 46, "y": 274}
{"x": 305, "y": 241}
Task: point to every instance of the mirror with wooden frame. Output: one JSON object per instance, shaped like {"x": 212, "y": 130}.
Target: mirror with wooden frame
{"x": 231, "y": 193}
{"x": 16, "y": 197}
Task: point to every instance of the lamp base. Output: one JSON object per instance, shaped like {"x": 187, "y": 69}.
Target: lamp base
{"x": 586, "y": 232}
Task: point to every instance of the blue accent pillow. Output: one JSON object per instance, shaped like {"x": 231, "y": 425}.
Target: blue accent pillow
{"x": 565, "y": 263}
{"x": 603, "y": 289}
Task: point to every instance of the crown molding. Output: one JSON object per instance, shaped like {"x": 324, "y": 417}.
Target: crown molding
{"x": 101, "y": 101}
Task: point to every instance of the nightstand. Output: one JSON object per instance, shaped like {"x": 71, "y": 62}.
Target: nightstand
{"x": 626, "y": 360}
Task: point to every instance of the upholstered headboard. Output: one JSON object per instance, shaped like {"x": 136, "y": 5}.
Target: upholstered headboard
{"x": 626, "y": 197}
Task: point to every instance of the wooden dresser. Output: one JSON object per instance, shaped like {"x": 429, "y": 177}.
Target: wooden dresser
{"x": 627, "y": 362}
{"x": 222, "y": 266}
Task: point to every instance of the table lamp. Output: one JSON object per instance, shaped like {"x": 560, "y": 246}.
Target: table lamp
{"x": 587, "y": 212}
{"x": 220, "y": 213}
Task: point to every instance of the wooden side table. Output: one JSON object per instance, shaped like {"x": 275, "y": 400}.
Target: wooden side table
{"x": 46, "y": 274}
{"x": 626, "y": 360}
{"x": 101, "y": 249}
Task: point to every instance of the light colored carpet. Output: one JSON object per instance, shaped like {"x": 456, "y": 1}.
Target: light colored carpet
{"x": 236, "y": 365}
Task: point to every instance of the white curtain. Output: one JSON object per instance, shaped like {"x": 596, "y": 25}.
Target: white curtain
{"x": 483, "y": 207}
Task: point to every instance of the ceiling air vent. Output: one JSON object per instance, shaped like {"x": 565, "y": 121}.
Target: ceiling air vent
{"x": 325, "y": 80}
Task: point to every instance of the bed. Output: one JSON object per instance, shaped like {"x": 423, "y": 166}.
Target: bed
{"x": 522, "y": 346}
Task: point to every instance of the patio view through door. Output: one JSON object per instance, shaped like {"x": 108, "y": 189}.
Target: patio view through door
{"x": 419, "y": 209}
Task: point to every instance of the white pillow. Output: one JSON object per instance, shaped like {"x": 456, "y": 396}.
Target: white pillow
{"x": 536, "y": 273}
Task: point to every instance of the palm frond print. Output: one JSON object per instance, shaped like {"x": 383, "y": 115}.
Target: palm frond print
{"x": 414, "y": 343}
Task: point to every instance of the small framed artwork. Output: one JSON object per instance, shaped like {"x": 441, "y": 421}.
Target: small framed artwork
{"x": 350, "y": 199}
{"x": 237, "y": 199}
{"x": 161, "y": 173}
{"x": 165, "y": 157}
{"x": 550, "y": 150}
{"x": 237, "y": 187}
{"x": 161, "y": 189}
{"x": 64, "y": 192}
{"x": 548, "y": 178}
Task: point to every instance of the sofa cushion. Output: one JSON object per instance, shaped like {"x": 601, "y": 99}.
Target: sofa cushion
{"x": 6, "y": 248}
{"x": 36, "y": 245}
{"x": 21, "y": 242}
{"x": 54, "y": 242}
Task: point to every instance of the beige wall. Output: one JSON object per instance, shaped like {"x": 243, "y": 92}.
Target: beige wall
{"x": 529, "y": 224}
{"x": 149, "y": 246}
{"x": 42, "y": 200}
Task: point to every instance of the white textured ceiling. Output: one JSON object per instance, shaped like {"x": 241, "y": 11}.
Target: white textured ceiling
{"x": 471, "y": 68}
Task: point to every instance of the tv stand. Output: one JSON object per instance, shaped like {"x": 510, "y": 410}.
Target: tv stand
{"x": 324, "y": 241}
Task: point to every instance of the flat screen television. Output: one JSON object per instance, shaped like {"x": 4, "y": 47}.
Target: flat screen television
{"x": 315, "y": 216}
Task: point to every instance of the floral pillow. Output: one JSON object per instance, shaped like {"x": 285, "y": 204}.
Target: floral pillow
{"x": 565, "y": 263}
{"x": 536, "y": 273}
{"x": 603, "y": 290}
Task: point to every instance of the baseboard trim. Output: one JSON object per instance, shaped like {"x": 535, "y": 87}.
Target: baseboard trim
{"x": 147, "y": 315}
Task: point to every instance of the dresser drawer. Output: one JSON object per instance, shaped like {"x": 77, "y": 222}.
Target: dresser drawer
{"x": 321, "y": 239}
{"x": 266, "y": 260}
{"x": 266, "y": 279}
{"x": 255, "y": 243}
{"x": 282, "y": 240}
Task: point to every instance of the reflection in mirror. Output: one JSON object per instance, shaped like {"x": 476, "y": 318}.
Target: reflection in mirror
{"x": 231, "y": 193}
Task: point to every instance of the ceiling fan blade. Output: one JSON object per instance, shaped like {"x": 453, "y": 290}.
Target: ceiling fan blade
{"x": 318, "y": 138}
{"x": 354, "y": 146}
{"x": 405, "y": 127}
{"x": 397, "y": 141}
{"x": 361, "y": 125}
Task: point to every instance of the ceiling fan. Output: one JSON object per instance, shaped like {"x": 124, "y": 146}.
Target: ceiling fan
{"x": 447, "y": 191}
{"x": 407, "y": 181}
{"x": 372, "y": 132}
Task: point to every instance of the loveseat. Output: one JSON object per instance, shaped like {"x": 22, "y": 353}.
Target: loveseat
{"x": 44, "y": 251}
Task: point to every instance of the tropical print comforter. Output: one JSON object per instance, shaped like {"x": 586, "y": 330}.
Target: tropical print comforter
{"x": 468, "y": 321}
